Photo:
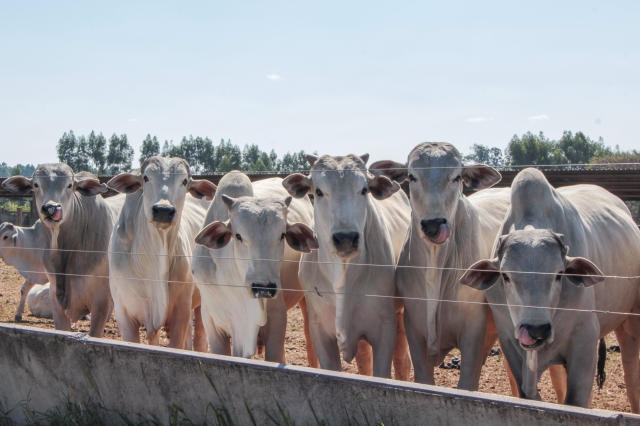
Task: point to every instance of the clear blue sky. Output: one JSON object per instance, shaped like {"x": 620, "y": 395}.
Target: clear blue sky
{"x": 332, "y": 77}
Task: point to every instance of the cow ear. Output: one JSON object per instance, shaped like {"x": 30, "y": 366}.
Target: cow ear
{"x": 202, "y": 188}
{"x": 480, "y": 176}
{"x": 19, "y": 185}
{"x": 88, "y": 184}
{"x": 215, "y": 235}
{"x": 228, "y": 201}
{"x": 364, "y": 158}
{"x": 311, "y": 159}
{"x": 300, "y": 237}
{"x": 391, "y": 169}
{"x": 297, "y": 184}
{"x": 481, "y": 275}
{"x": 125, "y": 183}
{"x": 582, "y": 272}
{"x": 382, "y": 187}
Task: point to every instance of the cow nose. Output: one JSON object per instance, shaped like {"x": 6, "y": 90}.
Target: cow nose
{"x": 163, "y": 214}
{"x": 264, "y": 290}
{"x": 539, "y": 332}
{"x": 52, "y": 211}
{"x": 346, "y": 241}
{"x": 431, "y": 227}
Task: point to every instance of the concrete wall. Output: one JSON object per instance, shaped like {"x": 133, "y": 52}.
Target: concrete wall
{"x": 47, "y": 369}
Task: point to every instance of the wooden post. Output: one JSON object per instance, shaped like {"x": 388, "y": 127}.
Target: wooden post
{"x": 19, "y": 216}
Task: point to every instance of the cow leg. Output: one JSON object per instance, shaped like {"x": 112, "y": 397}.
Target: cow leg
{"x": 558, "y": 374}
{"x": 24, "y": 290}
{"x": 475, "y": 344}
{"x": 324, "y": 341}
{"x": 274, "y": 330}
{"x": 581, "y": 369}
{"x": 100, "y": 313}
{"x": 401, "y": 359}
{"x": 629, "y": 340}
{"x": 199, "y": 334}
{"x": 178, "y": 325}
{"x": 60, "y": 318}
{"x": 219, "y": 342}
{"x": 364, "y": 358}
{"x": 129, "y": 327}
{"x": 312, "y": 357}
{"x": 383, "y": 346}
{"x": 423, "y": 372}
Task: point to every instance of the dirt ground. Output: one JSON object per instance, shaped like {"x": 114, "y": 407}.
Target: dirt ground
{"x": 493, "y": 380}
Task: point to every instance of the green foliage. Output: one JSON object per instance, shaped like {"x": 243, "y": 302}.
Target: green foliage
{"x": 83, "y": 152}
{"x": 150, "y": 147}
{"x": 120, "y": 154}
{"x": 295, "y": 162}
{"x": 530, "y": 149}
{"x": 482, "y": 154}
{"x": 618, "y": 157}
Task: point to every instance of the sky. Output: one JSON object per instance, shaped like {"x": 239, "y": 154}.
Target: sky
{"x": 332, "y": 77}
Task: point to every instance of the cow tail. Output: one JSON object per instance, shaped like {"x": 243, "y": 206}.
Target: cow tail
{"x": 602, "y": 358}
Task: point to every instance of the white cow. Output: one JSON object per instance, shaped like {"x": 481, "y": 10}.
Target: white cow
{"x": 449, "y": 231}
{"x": 360, "y": 222}
{"x": 536, "y": 278}
{"x": 78, "y": 224}
{"x": 243, "y": 264}
{"x": 23, "y": 248}
{"x": 151, "y": 247}
{"x": 38, "y": 300}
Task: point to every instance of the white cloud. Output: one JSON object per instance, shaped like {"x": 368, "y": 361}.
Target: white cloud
{"x": 538, "y": 117}
{"x": 132, "y": 120}
{"x": 478, "y": 119}
{"x": 274, "y": 77}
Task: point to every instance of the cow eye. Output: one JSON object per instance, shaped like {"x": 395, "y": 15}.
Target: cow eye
{"x": 6, "y": 236}
{"x": 69, "y": 186}
{"x": 457, "y": 179}
{"x": 319, "y": 193}
{"x": 559, "y": 276}
{"x": 412, "y": 178}
{"x": 35, "y": 185}
{"x": 185, "y": 182}
{"x": 146, "y": 178}
{"x": 505, "y": 277}
{"x": 364, "y": 191}
{"x": 238, "y": 237}
{"x": 282, "y": 236}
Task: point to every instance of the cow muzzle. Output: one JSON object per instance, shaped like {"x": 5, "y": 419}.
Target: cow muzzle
{"x": 436, "y": 230}
{"x": 264, "y": 290}
{"x": 163, "y": 214}
{"x": 52, "y": 212}
{"x": 346, "y": 243}
{"x": 533, "y": 336}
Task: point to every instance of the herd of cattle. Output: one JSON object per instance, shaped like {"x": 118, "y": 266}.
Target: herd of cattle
{"x": 381, "y": 277}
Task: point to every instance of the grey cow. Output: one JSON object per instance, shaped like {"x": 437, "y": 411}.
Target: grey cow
{"x": 78, "y": 223}
{"x": 542, "y": 298}
{"x": 360, "y": 222}
{"x": 449, "y": 231}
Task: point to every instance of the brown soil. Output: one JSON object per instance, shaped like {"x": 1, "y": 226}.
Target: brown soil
{"x": 493, "y": 380}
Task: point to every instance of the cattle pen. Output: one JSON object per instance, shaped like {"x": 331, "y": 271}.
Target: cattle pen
{"x": 131, "y": 383}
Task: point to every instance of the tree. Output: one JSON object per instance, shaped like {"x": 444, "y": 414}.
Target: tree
{"x": 293, "y": 162}
{"x": 82, "y": 159}
{"x": 150, "y": 147}
{"x": 120, "y": 154}
{"x": 482, "y": 154}
{"x": 97, "y": 150}
{"x": 227, "y": 157}
{"x": 66, "y": 148}
{"x": 580, "y": 149}
{"x": 533, "y": 149}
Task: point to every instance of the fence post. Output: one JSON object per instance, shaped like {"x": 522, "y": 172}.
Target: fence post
{"x": 19, "y": 216}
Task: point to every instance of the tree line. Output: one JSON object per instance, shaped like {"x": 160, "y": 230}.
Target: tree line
{"x": 95, "y": 153}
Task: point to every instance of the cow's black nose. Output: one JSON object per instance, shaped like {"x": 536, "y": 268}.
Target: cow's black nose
{"x": 264, "y": 290}
{"x": 346, "y": 241}
{"x": 539, "y": 332}
{"x": 163, "y": 214}
{"x": 431, "y": 227}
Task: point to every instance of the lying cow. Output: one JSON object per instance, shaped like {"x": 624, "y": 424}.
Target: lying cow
{"x": 151, "y": 247}
{"x": 360, "y": 222}
{"x": 246, "y": 274}
{"x": 23, "y": 248}
{"x": 38, "y": 300}
{"x": 449, "y": 231}
{"x": 543, "y": 299}
{"x": 78, "y": 225}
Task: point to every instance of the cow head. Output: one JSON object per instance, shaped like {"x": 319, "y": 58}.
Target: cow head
{"x": 260, "y": 226}
{"x": 532, "y": 267}
{"x": 54, "y": 187}
{"x": 341, "y": 187}
{"x": 164, "y": 183}
{"x": 436, "y": 176}
{"x": 7, "y": 233}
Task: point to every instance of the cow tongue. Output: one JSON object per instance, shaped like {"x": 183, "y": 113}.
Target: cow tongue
{"x": 443, "y": 234}
{"x": 524, "y": 338}
{"x": 57, "y": 215}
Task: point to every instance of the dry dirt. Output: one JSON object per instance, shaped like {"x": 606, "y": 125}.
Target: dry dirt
{"x": 493, "y": 380}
